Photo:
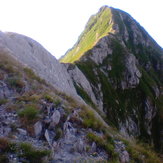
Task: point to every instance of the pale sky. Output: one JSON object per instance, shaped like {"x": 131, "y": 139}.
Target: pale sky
{"x": 56, "y": 24}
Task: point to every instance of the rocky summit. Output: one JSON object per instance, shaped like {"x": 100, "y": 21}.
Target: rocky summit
{"x": 103, "y": 102}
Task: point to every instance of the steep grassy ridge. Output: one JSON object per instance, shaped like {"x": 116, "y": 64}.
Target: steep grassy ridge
{"x": 97, "y": 27}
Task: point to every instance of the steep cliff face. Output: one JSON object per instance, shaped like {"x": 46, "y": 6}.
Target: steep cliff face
{"x": 124, "y": 69}
{"x": 33, "y": 55}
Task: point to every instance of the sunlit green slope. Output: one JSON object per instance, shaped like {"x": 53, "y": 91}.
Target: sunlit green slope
{"x": 98, "y": 26}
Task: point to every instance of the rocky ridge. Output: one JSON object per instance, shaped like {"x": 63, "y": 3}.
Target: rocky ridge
{"x": 124, "y": 70}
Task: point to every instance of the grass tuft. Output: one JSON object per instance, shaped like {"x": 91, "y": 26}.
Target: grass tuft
{"x": 30, "y": 112}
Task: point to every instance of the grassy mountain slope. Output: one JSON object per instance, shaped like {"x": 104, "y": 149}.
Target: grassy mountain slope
{"x": 98, "y": 26}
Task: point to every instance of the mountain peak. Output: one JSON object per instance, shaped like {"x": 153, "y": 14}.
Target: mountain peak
{"x": 123, "y": 70}
{"x": 105, "y": 7}
{"x": 98, "y": 26}
{"x": 109, "y": 21}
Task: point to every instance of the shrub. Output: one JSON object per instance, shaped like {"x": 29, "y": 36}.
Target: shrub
{"x": 16, "y": 83}
{"x": 3, "y": 101}
{"x": 103, "y": 143}
{"x": 57, "y": 102}
{"x": 30, "y": 73}
{"x": 4, "y": 144}
{"x": 32, "y": 154}
{"x": 89, "y": 119}
{"x": 1, "y": 76}
{"x": 12, "y": 107}
{"x": 4, "y": 159}
{"x": 30, "y": 112}
{"x": 7, "y": 68}
{"x": 136, "y": 152}
{"x": 48, "y": 98}
{"x": 59, "y": 133}
{"x": 28, "y": 98}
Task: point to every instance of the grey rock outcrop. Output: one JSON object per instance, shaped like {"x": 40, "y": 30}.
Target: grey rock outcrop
{"x": 93, "y": 147}
{"x": 48, "y": 137}
{"x": 101, "y": 51}
{"x": 4, "y": 90}
{"x": 55, "y": 118}
{"x": 38, "y": 128}
{"x": 150, "y": 112}
{"x": 121, "y": 150}
{"x": 81, "y": 81}
{"x": 130, "y": 128}
{"x": 22, "y": 131}
{"x": 132, "y": 72}
{"x": 33, "y": 55}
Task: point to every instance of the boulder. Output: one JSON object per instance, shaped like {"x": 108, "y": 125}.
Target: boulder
{"x": 56, "y": 117}
{"x": 47, "y": 136}
{"x": 38, "y": 128}
{"x": 22, "y": 131}
{"x": 80, "y": 146}
{"x": 93, "y": 147}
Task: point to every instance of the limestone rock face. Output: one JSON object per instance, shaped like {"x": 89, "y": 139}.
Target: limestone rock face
{"x": 150, "y": 112}
{"x": 101, "y": 51}
{"x": 33, "y": 55}
{"x": 132, "y": 73}
{"x": 80, "y": 80}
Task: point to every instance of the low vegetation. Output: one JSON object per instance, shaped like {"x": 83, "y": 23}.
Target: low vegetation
{"x": 30, "y": 112}
{"x": 16, "y": 83}
{"x": 32, "y": 154}
{"x": 105, "y": 143}
{"x": 23, "y": 151}
{"x": 31, "y": 75}
{"x": 89, "y": 119}
{"x": 3, "y": 101}
{"x": 142, "y": 152}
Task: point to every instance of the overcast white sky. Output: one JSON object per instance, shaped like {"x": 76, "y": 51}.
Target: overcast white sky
{"x": 56, "y": 24}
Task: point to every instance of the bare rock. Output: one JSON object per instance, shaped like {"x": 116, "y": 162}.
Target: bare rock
{"x": 69, "y": 132}
{"x": 80, "y": 146}
{"x": 38, "y": 128}
{"x": 56, "y": 117}
{"x": 81, "y": 81}
{"x": 47, "y": 136}
{"x": 150, "y": 112}
{"x": 4, "y": 90}
{"x": 22, "y": 131}
{"x": 124, "y": 157}
{"x": 93, "y": 147}
{"x": 132, "y": 74}
{"x": 101, "y": 51}
{"x": 32, "y": 54}
{"x": 120, "y": 148}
